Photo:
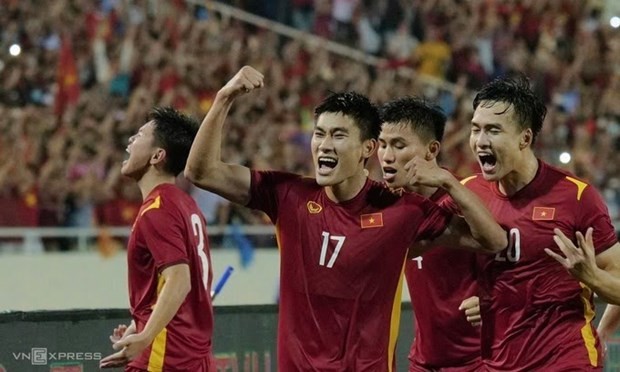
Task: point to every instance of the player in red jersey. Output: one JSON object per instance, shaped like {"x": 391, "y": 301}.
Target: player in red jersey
{"x": 168, "y": 257}
{"x": 343, "y": 238}
{"x": 440, "y": 278}
{"x": 535, "y": 316}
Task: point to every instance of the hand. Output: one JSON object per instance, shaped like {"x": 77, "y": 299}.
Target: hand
{"x": 471, "y": 306}
{"x": 578, "y": 260}
{"x": 121, "y": 332}
{"x": 129, "y": 347}
{"x": 426, "y": 173}
{"x": 246, "y": 80}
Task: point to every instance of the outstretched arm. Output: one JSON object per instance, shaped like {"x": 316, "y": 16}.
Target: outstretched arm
{"x": 481, "y": 226}
{"x": 204, "y": 165}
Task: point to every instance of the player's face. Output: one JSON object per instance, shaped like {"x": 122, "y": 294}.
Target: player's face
{"x": 496, "y": 140}
{"x": 337, "y": 150}
{"x": 140, "y": 149}
{"x": 398, "y": 144}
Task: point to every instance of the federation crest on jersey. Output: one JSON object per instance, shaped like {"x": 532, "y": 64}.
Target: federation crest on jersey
{"x": 543, "y": 214}
{"x": 314, "y": 207}
{"x": 371, "y": 220}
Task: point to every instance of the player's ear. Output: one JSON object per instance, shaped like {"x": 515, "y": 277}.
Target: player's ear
{"x": 432, "y": 151}
{"x": 526, "y": 138}
{"x": 369, "y": 147}
{"x": 158, "y": 156}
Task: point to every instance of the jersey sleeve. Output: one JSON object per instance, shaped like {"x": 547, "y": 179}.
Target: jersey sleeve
{"x": 436, "y": 220}
{"x": 266, "y": 190}
{"x": 593, "y": 212}
{"x": 163, "y": 233}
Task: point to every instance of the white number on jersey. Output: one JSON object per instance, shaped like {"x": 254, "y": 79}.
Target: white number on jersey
{"x": 513, "y": 252}
{"x": 339, "y": 242}
{"x": 198, "y": 231}
{"x": 419, "y": 260}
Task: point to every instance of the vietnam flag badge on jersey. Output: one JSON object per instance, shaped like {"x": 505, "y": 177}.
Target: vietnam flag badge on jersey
{"x": 543, "y": 214}
{"x": 371, "y": 220}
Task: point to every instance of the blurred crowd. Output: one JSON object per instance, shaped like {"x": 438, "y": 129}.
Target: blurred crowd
{"x": 77, "y": 78}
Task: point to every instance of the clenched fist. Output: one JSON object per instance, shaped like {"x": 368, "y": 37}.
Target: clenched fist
{"x": 244, "y": 81}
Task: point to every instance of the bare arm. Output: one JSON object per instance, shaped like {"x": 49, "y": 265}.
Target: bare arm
{"x": 599, "y": 272}
{"x": 457, "y": 235}
{"x": 204, "y": 165}
{"x": 490, "y": 236}
{"x": 177, "y": 285}
{"x": 609, "y": 323}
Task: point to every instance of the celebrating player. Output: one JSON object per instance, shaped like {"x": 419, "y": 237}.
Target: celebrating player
{"x": 343, "y": 238}
{"x": 440, "y": 278}
{"x": 535, "y": 316}
{"x": 168, "y": 257}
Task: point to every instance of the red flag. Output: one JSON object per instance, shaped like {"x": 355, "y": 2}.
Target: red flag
{"x": 371, "y": 220}
{"x": 543, "y": 214}
{"x": 67, "y": 78}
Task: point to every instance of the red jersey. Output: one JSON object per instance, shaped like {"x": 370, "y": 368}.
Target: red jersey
{"x": 438, "y": 282}
{"x": 170, "y": 230}
{"x": 341, "y": 269}
{"x": 535, "y": 316}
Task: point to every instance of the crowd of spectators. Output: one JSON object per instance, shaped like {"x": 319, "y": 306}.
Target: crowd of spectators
{"x": 59, "y": 164}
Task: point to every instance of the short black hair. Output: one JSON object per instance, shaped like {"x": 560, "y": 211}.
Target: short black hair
{"x": 174, "y": 132}
{"x": 356, "y": 106}
{"x": 425, "y": 118}
{"x": 514, "y": 90}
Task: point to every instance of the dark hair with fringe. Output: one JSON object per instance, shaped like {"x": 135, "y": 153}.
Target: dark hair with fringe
{"x": 425, "y": 118}
{"x": 174, "y": 132}
{"x": 357, "y": 107}
{"x": 529, "y": 109}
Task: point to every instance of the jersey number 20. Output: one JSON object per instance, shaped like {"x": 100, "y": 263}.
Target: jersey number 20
{"x": 513, "y": 252}
{"x": 199, "y": 233}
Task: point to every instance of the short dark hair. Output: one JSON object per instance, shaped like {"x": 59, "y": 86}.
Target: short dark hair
{"x": 356, "y": 106}
{"x": 425, "y": 118}
{"x": 514, "y": 90}
{"x": 174, "y": 132}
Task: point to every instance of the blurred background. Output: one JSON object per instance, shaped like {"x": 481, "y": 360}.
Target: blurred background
{"x": 78, "y": 77}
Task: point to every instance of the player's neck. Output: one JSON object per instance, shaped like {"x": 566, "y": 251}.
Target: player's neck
{"x": 151, "y": 180}
{"x": 347, "y": 189}
{"x": 521, "y": 175}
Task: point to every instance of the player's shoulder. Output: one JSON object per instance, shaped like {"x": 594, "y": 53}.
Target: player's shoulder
{"x": 381, "y": 196}
{"x": 167, "y": 199}
{"x": 567, "y": 182}
{"x": 475, "y": 181}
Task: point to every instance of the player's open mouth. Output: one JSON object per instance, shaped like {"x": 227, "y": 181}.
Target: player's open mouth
{"x": 326, "y": 164}
{"x": 389, "y": 174}
{"x": 126, "y": 155}
{"x": 487, "y": 162}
